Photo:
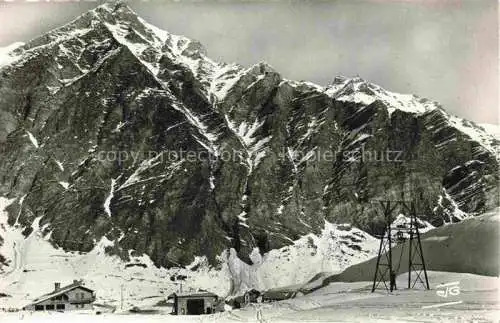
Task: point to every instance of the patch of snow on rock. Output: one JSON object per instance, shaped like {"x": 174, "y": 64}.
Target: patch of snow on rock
{"x": 33, "y": 139}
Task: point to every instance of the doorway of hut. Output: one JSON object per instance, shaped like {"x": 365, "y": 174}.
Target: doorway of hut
{"x": 195, "y": 306}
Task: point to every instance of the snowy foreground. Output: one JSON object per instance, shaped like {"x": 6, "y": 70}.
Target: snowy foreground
{"x": 337, "y": 302}
{"x": 34, "y": 264}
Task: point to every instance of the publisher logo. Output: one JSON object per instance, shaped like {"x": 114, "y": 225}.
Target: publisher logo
{"x": 448, "y": 289}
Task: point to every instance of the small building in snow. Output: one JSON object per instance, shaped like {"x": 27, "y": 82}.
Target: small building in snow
{"x": 278, "y": 294}
{"x": 74, "y": 296}
{"x": 252, "y": 296}
{"x": 195, "y": 303}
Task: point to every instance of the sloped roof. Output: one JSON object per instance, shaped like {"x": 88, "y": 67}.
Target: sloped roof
{"x": 253, "y": 291}
{"x": 193, "y": 294}
{"x": 278, "y": 294}
{"x": 62, "y": 290}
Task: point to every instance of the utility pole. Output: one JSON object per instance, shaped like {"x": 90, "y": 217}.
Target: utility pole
{"x": 121, "y": 296}
{"x": 178, "y": 280}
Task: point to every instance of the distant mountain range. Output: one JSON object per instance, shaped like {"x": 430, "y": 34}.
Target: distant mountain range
{"x": 111, "y": 127}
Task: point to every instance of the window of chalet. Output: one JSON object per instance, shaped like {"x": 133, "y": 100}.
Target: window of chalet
{"x": 60, "y": 297}
{"x": 60, "y": 306}
{"x": 38, "y": 307}
{"x": 49, "y": 307}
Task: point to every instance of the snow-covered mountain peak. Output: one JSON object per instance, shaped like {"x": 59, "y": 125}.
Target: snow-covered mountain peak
{"x": 118, "y": 16}
{"x": 9, "y": 48}
{"x": 487, "y": 135}
{"x": 7, "y": 53}
{"x": 151, "y": 44}
{"x": 138, "y": 31}
{"x": 109, "y": 80}
{"x": 360, "y": 91}
{"x": 493, "y": 129}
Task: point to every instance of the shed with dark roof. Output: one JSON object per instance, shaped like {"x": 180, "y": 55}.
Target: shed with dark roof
{"x": 195, "y": 303}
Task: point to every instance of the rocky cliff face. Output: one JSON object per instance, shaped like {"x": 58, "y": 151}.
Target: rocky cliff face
{"x": 112, "y": 127}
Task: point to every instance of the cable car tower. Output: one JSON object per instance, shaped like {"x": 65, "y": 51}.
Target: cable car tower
{"x": 385, "y": 270}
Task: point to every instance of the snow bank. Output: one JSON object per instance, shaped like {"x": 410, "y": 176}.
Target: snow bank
{"x": 34, "y": 265}
{"x": 336, "y": 248}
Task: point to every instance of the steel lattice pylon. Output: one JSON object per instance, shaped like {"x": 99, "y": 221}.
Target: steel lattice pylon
{"x": 415, "y": 252}
{"x": 384, "y": 271}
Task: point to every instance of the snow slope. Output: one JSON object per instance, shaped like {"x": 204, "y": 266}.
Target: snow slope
{"x": 34, "y": 265}
{"x": 469, "y": 246}
{"x": 354, "y": 302}
{"x": 336, "y": 248}
{"x": 337, "y": 302}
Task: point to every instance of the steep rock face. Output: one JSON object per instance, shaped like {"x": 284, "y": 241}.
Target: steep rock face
{"x": 111, "y": 127}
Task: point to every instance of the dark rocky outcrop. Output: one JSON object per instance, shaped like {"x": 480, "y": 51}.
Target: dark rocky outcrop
{"x": 107, "y": 86}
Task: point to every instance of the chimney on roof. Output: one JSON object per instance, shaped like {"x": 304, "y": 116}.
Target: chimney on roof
{"x": 75, "y": 281}
{"x": 57, "y": 286}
